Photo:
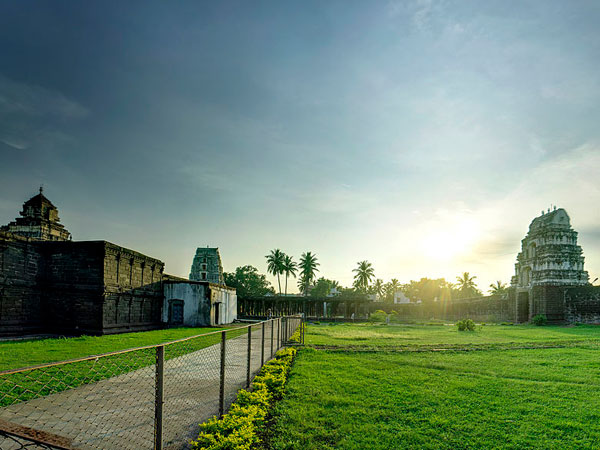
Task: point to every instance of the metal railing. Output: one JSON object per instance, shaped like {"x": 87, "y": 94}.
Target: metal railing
{"x": 146, "y": 397}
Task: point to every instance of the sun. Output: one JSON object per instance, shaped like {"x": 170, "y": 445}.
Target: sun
{"x": 446, "y": 241}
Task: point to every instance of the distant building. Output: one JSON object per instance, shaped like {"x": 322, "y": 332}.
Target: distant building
{"x": 550, "y": 254}
{"x": 39, "y": 221}
{"x": 207, "y": 266}
{"x": 549, "y": 260}
{"x": 400, "y": 298}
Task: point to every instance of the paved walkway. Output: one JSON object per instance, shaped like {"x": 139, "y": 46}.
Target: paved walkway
{"x": 118, "y": 413}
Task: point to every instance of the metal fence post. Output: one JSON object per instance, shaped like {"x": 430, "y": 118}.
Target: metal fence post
{"x": 262, "y": 346}
{"x": 222, "y": 376}
{"x": 159, "y": 399}
{"x": 278, "y": 330}
{"x": 249, "y": 355}
{"x": 272, "y": 329}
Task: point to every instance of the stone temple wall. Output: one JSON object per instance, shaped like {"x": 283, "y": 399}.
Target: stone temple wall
{"x": 582, "y": 304}
{"x": 87, "y": 287}
{"x": 133, "y": 293}
{"x": 20, "y": 294}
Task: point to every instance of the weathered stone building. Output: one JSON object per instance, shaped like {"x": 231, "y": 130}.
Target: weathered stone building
{"x": 39, "y": 220}
{"x": 197, "y": 303}
{"x": 49, "y": 283}
{"x": 550, "y": 257}
{"x": 207, "y": 266}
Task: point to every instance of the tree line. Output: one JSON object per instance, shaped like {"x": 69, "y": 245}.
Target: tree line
{"x": 250, "y": 283}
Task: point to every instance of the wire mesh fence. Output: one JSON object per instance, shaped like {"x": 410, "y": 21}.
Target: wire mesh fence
{"x": 148, "y": 397}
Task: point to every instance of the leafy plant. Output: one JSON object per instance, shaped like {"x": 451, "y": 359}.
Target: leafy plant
{"x": 241, "y": 427}
{"x": 539, "y": 320}
{"x": 465, "y": 325}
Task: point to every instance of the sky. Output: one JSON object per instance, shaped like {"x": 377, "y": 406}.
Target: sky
{"x": 422, "y": 136}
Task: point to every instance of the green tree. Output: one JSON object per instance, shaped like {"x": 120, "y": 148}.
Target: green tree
{"x": 466, "y": 286}
{"x": 363, "y": 276}
{"x": 498, "y": 288}
{"x": 248, "y": 282}
{"x": 323, "y": 287}
{"x": 275, "y": 261}
{"x": 308, "y": 269}
{"x": 390, "y": 289}
{"x": 379, "y": 288}
{"x": 290, "y": 267}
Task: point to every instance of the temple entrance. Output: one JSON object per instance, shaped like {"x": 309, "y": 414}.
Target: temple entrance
{"x": 176, "y": 312}
{"x": 522, "y": 307}
{"x": 216, "y": 309}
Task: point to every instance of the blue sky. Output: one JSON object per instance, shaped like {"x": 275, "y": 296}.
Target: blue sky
{"x": 423, "y": 136}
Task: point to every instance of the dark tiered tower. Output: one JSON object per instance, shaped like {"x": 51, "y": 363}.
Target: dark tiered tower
{"x": 39, "y": 221}
{"x": 207, "y": 266}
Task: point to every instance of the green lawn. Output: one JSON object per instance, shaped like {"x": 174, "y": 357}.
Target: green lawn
{"x": 540, "y": 398}
{"x": 365, "y": 335}
{"x": 22, "y": 386}
{"x": 15, "y": 354}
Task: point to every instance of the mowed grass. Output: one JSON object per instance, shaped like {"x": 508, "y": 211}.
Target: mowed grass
{"x": 387, "y": 387}
{"x": 439, "y": 335}
{"x": 34, "y": 383}
{"x": 511, "y": 399}
{"x": 25, "y": 353}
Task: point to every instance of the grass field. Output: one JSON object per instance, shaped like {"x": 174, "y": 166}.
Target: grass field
{"x": 542, "y": 398}
{"x": 441, "y": 335}
{"x": 25, "y": 353}
{"x": 22, "y": 386}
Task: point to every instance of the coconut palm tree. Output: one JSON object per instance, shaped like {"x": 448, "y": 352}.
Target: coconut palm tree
{"x": 391, "y": 288}
{"x": 308, "y": 269}
{"x": 275, "y": 261}
{"x": 378, "y": 287}
{"x": 498, "y": 288}
{"x": 466, "y": 284}
{"x": 290, "y": 267}
{"x": 364, "y": 274}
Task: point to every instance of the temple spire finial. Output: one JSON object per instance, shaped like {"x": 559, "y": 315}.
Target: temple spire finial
{"x": 41, "y": 188}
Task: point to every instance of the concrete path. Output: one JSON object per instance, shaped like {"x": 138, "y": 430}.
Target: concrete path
{"x": 118, "y": 413}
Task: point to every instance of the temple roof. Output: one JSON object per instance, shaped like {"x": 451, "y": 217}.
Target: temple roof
{"x": 557, "y": 217}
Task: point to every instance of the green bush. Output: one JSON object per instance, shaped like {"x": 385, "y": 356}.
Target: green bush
{"x": 378, "y": 316}
{"x": 240, "y": 428}
{"x": 539, "y": 320}
{"x": 465, "y": 325}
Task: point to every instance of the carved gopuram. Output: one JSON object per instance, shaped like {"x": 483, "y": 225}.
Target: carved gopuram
{"x": 550, "y": 257}
{"x": 207, "y": 266}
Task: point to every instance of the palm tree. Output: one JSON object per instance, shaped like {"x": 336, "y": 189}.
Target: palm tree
{"x": 378, "y": 287}
{"x": 391, "y": 288}
{"x": 364, "y": 274}
{"x": 498, "y": 288}
{"x": 290, "y": 267}
{"x": 466, "y": 284}
{"x": 275, "y": 261}
{"x": 308, "y": 269}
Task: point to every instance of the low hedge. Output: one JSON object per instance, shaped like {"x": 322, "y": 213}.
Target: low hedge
{"x": 241, "y": 428}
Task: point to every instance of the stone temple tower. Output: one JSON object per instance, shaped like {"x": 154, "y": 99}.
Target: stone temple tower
{"x": 207, "y": 266}
{"x": 549, "y": 254}
{"x": 39, "y": 221}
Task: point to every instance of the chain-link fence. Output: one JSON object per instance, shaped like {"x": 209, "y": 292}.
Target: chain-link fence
{"x": 147, "y": 397}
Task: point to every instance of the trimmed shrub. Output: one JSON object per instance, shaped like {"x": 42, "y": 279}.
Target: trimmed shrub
{"x": 378, "y": 316}
{"x": 465, "y": 325}
{"x": 241, "y": 428}
{"x": 539, "y": 320}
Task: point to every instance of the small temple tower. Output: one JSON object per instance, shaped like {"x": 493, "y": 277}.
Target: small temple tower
{"x": 207, "y": 266}
{"x": 550, "y": 254}
{"x": 39, "y": 221}
{"x": 549, "y": 261}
